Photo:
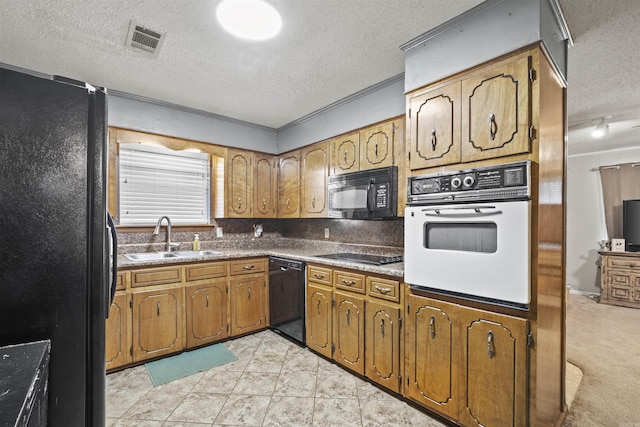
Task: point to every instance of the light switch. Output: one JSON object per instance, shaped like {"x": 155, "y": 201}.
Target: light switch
{"x": 218, "y": 232}
{"x": 326, "y": 233}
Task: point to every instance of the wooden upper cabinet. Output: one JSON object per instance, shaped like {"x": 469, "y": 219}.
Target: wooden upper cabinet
{"x": 376, "y": 146}
{"x": 496, "y": 110}
{"x": 289, "y": 185}
{"x": 265, "y": 186}
{"x": 315, "y": 171}
{"x": 435, "y": 127}
{"x": 345, "y": 154}
{"x": 239, "y": 183}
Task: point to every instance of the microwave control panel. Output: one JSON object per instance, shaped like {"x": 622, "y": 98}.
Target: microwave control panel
{"x": 499, "y": 182}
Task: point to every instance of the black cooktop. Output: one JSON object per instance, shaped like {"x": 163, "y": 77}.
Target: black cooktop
{"x": 363, "y": 258}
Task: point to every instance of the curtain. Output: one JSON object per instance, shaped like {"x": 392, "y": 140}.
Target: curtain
{"x": 620, "y": 182}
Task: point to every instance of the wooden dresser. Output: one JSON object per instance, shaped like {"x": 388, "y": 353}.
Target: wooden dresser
{"x": 620, "y": 280}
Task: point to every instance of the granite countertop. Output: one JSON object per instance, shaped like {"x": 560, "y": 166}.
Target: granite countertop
{"x": 307, "y": 254}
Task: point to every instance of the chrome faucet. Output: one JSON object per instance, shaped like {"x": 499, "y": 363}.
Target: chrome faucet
{"x": 155, "y": 232}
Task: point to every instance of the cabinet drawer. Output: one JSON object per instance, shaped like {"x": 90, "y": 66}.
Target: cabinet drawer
{"x": 623, "y": 262}
{"x": 620, "y": 292}
{"x": 319, "y": 275}
{"x": 349, "y": 281}
{"x": 247, "y": 266}
{"x": 383, "y": 288}
{"x": 156, "y": 276}
{"x": 122, "y": 280}
{"x": 205, "y": 271}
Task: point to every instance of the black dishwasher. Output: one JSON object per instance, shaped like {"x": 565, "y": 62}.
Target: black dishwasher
{"x": 287, "y": 297}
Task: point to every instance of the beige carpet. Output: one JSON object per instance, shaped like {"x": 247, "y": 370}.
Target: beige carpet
{"x": 604, "y": 342}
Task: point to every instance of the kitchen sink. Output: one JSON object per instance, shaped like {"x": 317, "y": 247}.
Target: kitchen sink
{"x": 155, "y": 256}
{"x": 195, "y": 253}
{"x": 150, "y": 256}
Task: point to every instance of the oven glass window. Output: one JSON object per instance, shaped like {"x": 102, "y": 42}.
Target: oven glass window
{"x": 466, "y": 237}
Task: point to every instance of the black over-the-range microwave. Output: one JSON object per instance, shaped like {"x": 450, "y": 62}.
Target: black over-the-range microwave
{"x": 369, "y": 194}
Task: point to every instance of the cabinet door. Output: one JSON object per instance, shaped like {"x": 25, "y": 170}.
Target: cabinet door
{"x": 382, "y": 349}
{"x": 431, "y": 364}
{"x": 435, "y": 127}
{"x": 348, "y": 331}
{"x": 118, "y": 333}
{"x": 289, "y": 185}
{"x": 495, "y": 387}
{"x": 345, "y": 154}
{"x": 239, "y": 183}
{"x": 248, "y": 301}
{"x": 158, "y": 320}
{"x": 265, "y": 186}
{"x": 376, "y": 146}
{"x": 206, "y": 307}
{"x": 496, "y": 111}
{"x": 318, "y": 320}
{"x": 315, "y": 164}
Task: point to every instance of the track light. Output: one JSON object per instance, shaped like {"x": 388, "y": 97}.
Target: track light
{"x": 601, "y": 129}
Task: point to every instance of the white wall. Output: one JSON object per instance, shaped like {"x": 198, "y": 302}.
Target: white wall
{"x": 585, "y": 215}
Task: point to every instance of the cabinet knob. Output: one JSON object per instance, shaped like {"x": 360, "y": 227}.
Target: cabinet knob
{"x": 432, "y": 326}
{"x": 318, "y": 306}
{"x": 239, "y": 203}
{"x": 382, "y": 327}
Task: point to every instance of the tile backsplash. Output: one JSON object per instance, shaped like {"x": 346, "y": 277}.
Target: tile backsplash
{"x": 240, "y": 233}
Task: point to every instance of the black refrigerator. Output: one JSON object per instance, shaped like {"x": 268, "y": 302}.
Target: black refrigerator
{"x": 56, "y": 263}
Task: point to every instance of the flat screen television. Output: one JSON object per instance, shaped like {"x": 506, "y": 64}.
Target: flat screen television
{"x": 631, "y": 224}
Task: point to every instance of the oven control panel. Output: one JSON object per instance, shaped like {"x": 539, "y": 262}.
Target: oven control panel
{"x": 499, "y": 182}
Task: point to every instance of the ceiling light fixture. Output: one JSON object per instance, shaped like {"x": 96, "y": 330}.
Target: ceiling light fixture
{"x": 249, "y": 19}
{"x": 601, "y": 129}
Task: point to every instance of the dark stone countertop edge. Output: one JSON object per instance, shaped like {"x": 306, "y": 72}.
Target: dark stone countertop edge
{"x": 298, "y": 254}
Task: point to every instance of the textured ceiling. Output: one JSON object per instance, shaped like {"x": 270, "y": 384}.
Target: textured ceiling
{"x": 327, "y": 50}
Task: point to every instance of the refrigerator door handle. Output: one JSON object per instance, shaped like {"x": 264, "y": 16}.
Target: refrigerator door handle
{"x": 113, "y": 258}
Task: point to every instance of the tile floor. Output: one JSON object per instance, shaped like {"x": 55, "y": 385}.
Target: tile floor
{"x": 273, "y": 383}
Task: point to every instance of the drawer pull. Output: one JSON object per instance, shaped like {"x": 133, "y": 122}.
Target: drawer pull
{"x": 382, "y": 290}
{"x": 248, "y": 267}
{"x": 348, "y": 282}
{"x": 490, "y": 347}
{"x": 318, "y": 276}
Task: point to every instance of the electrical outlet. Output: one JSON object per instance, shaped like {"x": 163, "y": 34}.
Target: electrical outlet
{"x": 218, "y": 232}
{"x": 326, "y": 233}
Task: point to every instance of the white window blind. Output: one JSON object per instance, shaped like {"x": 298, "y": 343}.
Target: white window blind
{"x": 156, "y": 181}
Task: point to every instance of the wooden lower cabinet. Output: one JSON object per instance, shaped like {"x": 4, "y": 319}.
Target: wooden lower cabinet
{"x": 467, "y": 364}
{"x": 118, "y": 332}
{"x": 158, "y": 327}
{"x": 620, "y": 278}
{"x": 433, "y": 363}
{"x": 248, "y": 299}
{"x": 318, "y": 319}
{"x": 206, "y": 306}
{"x": 382, "y": 344}
{"x": 348, "y": 331}
{"x": 495, "y": 385}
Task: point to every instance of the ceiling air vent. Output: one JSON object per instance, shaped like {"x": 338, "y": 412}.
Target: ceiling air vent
{"x": 144, "y": 38}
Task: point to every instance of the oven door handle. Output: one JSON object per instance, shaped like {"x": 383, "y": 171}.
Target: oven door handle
{"x": 463, "y": 210}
